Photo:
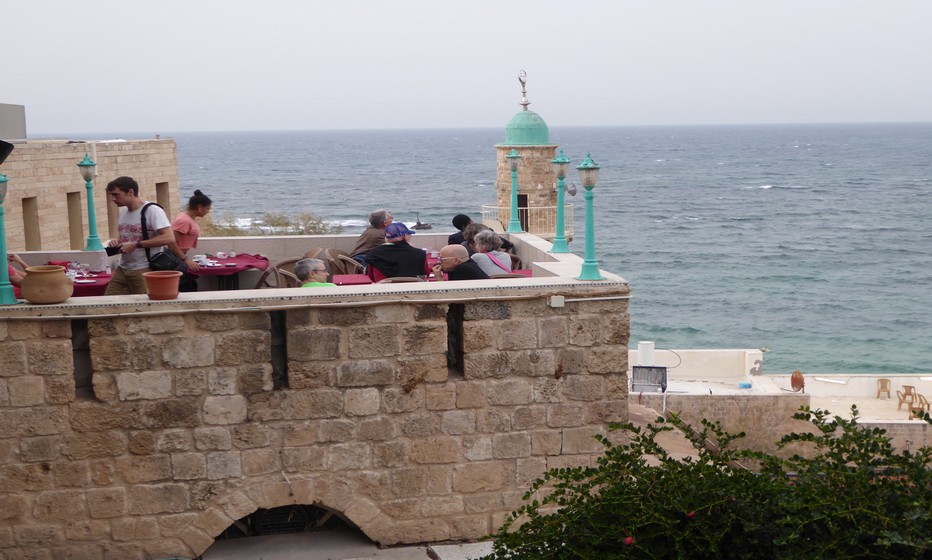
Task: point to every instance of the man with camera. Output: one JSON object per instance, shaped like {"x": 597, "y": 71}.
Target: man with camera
{"x": 127, "y": 277}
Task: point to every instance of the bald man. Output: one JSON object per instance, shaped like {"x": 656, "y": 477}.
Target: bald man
{"x": 455, "y": 261}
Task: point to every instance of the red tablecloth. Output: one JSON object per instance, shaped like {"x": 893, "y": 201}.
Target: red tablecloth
{"x": 93, "y": 286}
{"x": 351, "y": 279}
{"x": 233, "y": 265}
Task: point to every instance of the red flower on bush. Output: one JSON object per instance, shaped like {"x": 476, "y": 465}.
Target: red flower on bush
{"x": 629, "y": 540}
{"x": 691, "y": 514}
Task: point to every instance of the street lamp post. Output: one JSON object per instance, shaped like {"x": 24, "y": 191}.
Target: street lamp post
{"x": 7, "y": 297}
{"x": 588, "y": 175}
{"x": 514, "y": 224}
{"x": 87, "y": 167}
{"x": 560, "y": 163}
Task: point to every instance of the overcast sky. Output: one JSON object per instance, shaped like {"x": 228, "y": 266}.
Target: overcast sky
{"x": 201, "y": 65}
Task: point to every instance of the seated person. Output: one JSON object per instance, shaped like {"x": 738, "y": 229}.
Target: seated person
{"x": 312, "y": 273}
{"x": 454, "y": 260}
{"x": 469, "y": 237}
{"x": 460, "y": 221}
{"x": 373, "y": 236}
{"x": 16, "y": 276}
{"x": 488, "y": 254}
{"x": 396, "y": 257}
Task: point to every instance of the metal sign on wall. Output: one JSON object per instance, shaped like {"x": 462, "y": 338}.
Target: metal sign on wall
{"x": 12, "y": 122}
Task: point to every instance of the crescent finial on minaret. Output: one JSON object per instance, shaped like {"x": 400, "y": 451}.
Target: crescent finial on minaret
{"x": 522, "y": 78}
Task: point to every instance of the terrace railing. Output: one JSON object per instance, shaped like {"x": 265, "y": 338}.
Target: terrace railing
{"x": 538, "y": 220}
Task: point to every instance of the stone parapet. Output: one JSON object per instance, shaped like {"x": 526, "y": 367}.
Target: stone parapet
{"x": 202, "y": 411}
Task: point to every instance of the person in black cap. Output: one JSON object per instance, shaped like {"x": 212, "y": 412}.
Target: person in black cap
{"x": 396, "y": 257}
{"x": 460, "y": 221}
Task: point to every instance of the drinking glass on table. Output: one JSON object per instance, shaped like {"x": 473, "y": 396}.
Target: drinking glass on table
{"x": 84, "y": 269}
{"x": 72, "y": 270}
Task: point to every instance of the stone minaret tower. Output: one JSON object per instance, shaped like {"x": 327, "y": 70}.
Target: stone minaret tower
{"x": 527, "y": 133}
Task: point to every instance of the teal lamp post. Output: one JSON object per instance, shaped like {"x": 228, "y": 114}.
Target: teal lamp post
{"x": 7, "y": 297}
{"x": 87, "y": 167}
{"x": 560, "y": 163}
{"x": 588, "y": 175}
{"x": 514, "y": 224}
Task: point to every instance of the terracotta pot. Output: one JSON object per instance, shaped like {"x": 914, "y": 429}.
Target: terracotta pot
{"x": 46, "y": 284}
{"x": 162, "y": 284}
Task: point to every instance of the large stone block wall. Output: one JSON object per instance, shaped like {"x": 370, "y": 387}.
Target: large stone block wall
{"x": 766, "y": 418}
{"x": 186, "y": 432}
{"x": 48, "y": 171}
{"x": 763, "y": 418}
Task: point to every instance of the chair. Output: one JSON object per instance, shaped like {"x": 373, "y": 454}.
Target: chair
{"x": 287, "y": 279}
{"x": 395, "y": 279}
{"x": 340, "y": 262}
{"x": 273, "y": 278}
{"x": 921, "y": 405}
{"x": 314, "y": 253}
{"x": 883, "y": 386}
{"x": 508, "y": 275}
{"x": 352, "y": 265}
{"x": 903, "y": 399}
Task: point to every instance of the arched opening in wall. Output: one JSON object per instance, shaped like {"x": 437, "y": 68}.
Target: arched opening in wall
{"x": 278, "y": 335}
{"x": 113, "y": 218}
{"x": 31, "y": 224}
{"x": 288, "y": 519}
{"x": 163, "y": 196}
{"x": 455, "y": 315}
{"x": 75, "y": 221}
{"x": 81, "y": 356}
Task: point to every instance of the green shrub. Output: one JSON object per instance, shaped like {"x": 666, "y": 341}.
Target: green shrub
{"x": 850, "y": 496}
{"x": 272, "y": 223}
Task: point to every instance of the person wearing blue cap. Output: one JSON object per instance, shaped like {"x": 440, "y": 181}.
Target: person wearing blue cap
{"x": 396, "y": 257}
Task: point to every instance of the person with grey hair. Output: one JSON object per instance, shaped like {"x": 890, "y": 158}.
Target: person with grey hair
{"x": 312, "y": 273}
{"x": 489, "y": 256}
{"x": 373, "y": 236}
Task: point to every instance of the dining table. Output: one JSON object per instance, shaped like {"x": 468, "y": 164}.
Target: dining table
{"x": 227, "y": 270}
{"x": 94, "y": 284}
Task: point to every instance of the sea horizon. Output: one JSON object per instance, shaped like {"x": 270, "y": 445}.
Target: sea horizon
{"x": 807, "y": 239}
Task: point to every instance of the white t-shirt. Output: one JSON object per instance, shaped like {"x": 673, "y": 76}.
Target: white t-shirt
{"x": 130, "y": 229}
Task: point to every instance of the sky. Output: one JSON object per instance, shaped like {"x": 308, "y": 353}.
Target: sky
{"x": 98, "y": 66}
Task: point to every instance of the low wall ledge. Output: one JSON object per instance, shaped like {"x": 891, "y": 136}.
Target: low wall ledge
{"x": 343, "y": 296}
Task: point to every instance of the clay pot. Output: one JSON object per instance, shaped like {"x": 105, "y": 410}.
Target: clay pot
{"x": 162, "y": 284}
{"x": 46, "y": 284}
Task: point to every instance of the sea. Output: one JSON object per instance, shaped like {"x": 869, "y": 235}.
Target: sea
{"x": 812, "y": 242}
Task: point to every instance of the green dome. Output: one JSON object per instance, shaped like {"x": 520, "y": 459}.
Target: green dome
{"x": 527, "y": 129}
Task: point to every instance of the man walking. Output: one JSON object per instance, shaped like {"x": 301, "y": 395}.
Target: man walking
{"x": 127, "y": 277}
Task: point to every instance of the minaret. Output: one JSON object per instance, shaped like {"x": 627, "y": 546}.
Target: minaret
{"x": 528, "y": 134}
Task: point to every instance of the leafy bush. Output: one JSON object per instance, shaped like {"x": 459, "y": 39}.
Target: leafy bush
{"x": 272, "y": 223}
{"x": 851, "y": 496}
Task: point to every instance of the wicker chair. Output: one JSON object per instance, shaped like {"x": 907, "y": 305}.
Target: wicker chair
{"x": 273, "y": 276}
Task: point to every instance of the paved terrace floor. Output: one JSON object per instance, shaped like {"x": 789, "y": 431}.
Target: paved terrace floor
{"x": 869, "y": 407}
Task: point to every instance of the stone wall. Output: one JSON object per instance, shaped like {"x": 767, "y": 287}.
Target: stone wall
{"x": 534, "y": 168}
{"x": 45, "y": 172}
{"x": 763, "y": 418}
{"x": 190, "y": 427}
{"x": 767, "y": 418}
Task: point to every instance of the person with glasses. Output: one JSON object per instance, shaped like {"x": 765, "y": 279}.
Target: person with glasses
{"x": 455, "y": 261}
{"x": 312, "y": 273}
